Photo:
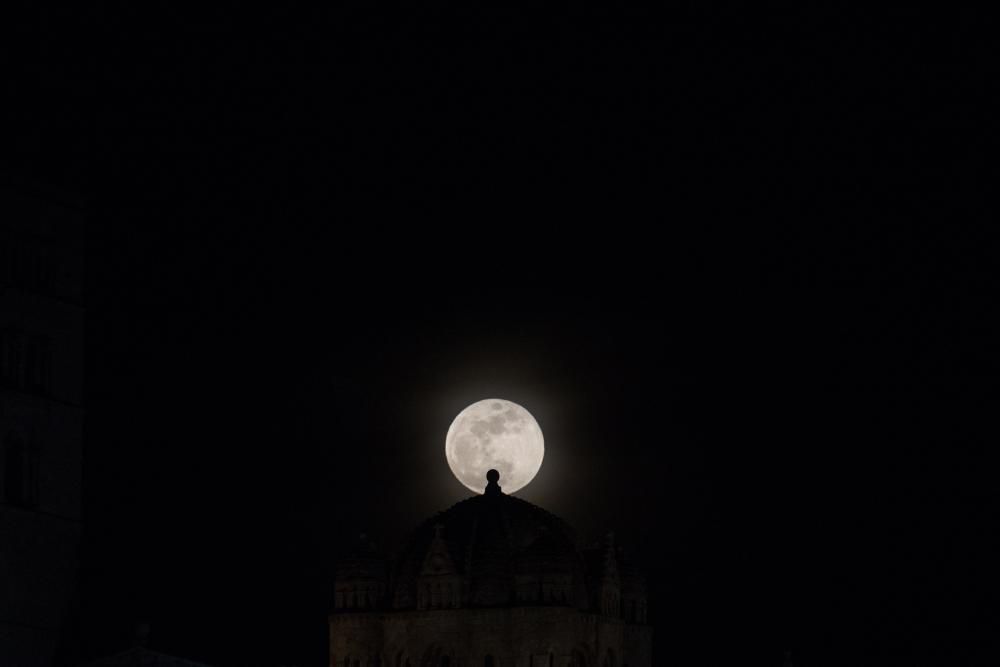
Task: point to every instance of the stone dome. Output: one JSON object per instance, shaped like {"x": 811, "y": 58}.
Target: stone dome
{"x": 492, "y": 580}
{"x": 491, "y": 550}
{"x": 488, "y": 543}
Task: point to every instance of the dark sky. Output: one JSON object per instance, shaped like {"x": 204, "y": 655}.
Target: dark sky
{"x": 729, "y": 260}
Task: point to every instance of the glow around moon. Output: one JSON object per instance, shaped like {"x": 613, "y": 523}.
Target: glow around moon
{"x": 494, "y": 433}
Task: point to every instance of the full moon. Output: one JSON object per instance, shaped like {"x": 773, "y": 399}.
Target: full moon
{"x": 499, "y": 434}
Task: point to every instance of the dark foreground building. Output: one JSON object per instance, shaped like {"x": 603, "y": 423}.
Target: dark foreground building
{"x": 494, "y": 581}
{"x": 142, "y": 657}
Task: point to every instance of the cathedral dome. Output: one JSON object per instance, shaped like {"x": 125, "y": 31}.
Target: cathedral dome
{"x": 494, "y": 547}
{"x": 492, "y": 580}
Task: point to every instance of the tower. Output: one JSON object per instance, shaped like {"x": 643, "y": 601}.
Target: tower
{"x": 41, "y": 421}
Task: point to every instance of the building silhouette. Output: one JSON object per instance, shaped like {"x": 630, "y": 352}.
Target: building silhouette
{"x": 141, "y": 656}
{"x": 41, "y": 421}
{"x": 494, "y": 581}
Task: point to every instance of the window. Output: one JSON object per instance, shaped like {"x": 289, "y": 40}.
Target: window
{"x": 25, "y": 265}
{"x": 488, "y": 662}
{"x": 6, "y": 260}
{"x": 25, "y": 361}
{"x": 10, "y": 357}
{"x": 19, "y": 472}
{"x": 37, "y": 363}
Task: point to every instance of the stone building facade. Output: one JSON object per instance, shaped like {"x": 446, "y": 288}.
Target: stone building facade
{"x": 41, "y": 420}
{"x": 494, "y": 581}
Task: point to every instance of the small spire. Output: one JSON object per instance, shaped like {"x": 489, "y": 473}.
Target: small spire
{"x": 492, "y": 488}
{"x": 141, "y": 638}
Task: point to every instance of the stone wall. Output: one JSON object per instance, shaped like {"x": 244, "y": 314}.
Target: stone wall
{"x": 513, "y": 637}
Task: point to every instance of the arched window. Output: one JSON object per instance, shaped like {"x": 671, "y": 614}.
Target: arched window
{"x": 488, "y": 661}
{"x": 445, "y": 661}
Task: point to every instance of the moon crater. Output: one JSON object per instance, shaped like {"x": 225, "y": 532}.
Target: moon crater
{"x": 495, "y": 433}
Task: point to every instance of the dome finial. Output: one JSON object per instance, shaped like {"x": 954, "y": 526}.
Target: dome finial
{"x": 492, "y": 488}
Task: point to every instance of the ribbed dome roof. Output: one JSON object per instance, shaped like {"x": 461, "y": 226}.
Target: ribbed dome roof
{"x": 488, "y": 551}
{"x": 490, "y": 539}
{"x": 550, "y": 553}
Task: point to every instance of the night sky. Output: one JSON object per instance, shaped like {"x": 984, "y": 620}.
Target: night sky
{"x": 730, "y": 262}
